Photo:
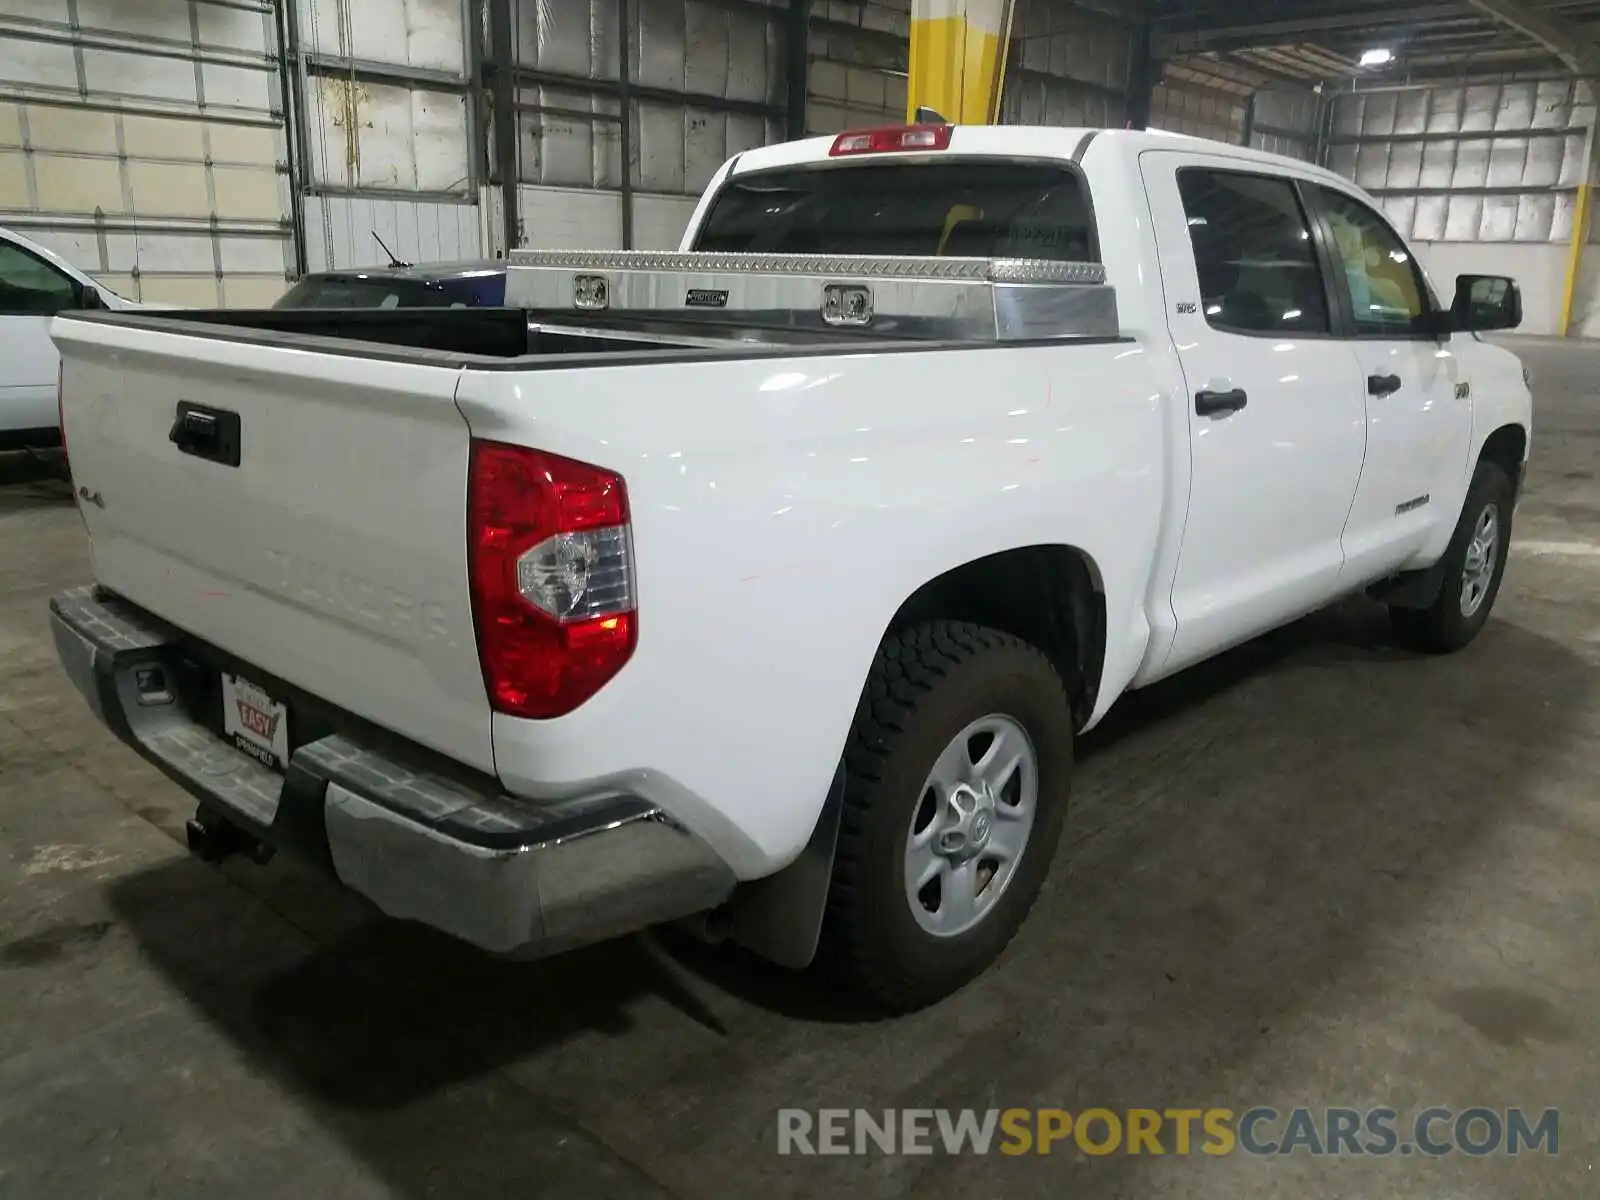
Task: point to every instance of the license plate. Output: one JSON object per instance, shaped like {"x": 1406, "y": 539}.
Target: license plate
{"x": 258, "y": 724}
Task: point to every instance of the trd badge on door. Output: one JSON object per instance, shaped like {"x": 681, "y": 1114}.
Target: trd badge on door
{"x": 1463, "y": 391}
{"x": 1412, "y": 505}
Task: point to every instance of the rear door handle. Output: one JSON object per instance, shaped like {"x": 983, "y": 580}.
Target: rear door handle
{"x": 1382, "y": 385}
{"x": 1220, "y": 404}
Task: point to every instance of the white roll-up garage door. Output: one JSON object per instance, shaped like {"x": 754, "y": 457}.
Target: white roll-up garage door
{"x": 143, "y": 141}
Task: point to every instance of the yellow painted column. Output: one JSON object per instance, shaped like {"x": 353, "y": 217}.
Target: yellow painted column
{"x": 1580, "y": 230}
{"x": 958, "y": 58}
{"x": 1580, "y": 235}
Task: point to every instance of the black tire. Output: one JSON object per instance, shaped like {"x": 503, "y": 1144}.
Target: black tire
{"x": 926, "y": 685}
{"x": 1442, "y": 627}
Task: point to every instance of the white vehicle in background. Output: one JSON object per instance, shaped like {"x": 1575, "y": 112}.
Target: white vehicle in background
{"x": 769, "y": 582}
{"x": 35, "y": 285}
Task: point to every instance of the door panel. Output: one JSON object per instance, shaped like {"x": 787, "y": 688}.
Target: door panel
{"x": 27, "y": 355}
{"x": 1419, "y": 419}
{"x": 1272, "y": 481}
{"x": 28, "y": 366}
{"x": 31, "y": 292}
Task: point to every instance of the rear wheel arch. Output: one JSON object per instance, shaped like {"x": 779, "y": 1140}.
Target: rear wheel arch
{"x": 1049, "y": 596}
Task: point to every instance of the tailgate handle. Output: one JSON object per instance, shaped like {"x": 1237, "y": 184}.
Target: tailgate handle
{"x": 209, "y": 433}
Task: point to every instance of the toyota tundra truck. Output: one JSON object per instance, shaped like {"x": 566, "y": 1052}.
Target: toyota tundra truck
{"x": 764, "y": 585}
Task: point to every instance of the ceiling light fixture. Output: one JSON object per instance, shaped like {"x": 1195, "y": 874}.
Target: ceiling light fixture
{"x": 1376, "y": 58}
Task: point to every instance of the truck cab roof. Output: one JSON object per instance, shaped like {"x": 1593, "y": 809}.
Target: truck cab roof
{"x": 1021, "y": 141}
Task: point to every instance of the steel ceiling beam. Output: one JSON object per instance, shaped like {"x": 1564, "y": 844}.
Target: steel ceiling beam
{"x": 1564, "y": 41}
{"x": 1308, "y": 27}
{"x": 1269, "y": 73}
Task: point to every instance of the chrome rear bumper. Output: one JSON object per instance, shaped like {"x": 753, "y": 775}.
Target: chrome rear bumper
{"x": 443, "y": 847}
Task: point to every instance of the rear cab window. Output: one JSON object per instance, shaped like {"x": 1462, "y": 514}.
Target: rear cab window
{"x": 389, "y": 291}
{"x": 971, "y": 208}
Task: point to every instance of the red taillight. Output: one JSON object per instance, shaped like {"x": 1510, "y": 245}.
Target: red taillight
{"x": 550, "y": 557}
{"x": 891, "y": 138}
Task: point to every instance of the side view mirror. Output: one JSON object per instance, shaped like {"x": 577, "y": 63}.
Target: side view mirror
{"x": 91, "y": 299}
{"x": 1484, "y": 303}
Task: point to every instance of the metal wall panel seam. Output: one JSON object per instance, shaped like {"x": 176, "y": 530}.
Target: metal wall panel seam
{"x": 205, "y": 148}
{"x": 77, "y": 47}
{"x": 125, "y": 180}
{"x": 19, "y": 30}
{"x": 113, "y": 102}
{"x": 127, "y": 223}
{"x": 30, "y": 170}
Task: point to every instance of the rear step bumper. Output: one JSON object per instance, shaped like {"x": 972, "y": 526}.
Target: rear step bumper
{"x": 514, "y": 877}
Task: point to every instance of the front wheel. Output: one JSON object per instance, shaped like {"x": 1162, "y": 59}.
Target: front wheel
{"x": 956, "y": 782}
{"x": 1473, "y": 567}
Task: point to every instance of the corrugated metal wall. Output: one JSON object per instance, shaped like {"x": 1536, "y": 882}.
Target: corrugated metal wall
{"x": 169, "y": 147}
{"x": 1482, "y": 178}
{"x": 1286, "y": 122}
{"x": 705, "y": 79}
{"x": 1489, "y": 163}
{"x": 1279, "y": 121}
{"x": 387, "y": 136}
{"x": 856, "y": 74}
{"x": 142, "y": 141}
{"x": 1075, "y": 67}
{"x": 1183, "y": 105}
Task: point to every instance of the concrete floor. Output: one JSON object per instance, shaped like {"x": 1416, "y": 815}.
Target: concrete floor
{"x": 1316, "y": 872}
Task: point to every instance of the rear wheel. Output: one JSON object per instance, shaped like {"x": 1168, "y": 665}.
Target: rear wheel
{"x": 956, "y": 783}
{"x": 1474, "y": 565}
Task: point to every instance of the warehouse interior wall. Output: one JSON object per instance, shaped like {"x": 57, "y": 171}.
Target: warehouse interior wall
{"x": 1540, "y": 271}
{"x": 143, "y": 143}
{"x": 208, "y": 151}
{"x": 857, "y": 59}
{"x": 1482, "y": 178}
{"x": 699, "y": 81}
{"x": 1071, "y": 64}
{"x": 1206, "y": 100}
{"x": 384, "y": 125}
{"x": 1586, "y": 298}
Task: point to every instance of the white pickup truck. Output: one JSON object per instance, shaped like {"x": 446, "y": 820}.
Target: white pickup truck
{"x": 766, "y": 584}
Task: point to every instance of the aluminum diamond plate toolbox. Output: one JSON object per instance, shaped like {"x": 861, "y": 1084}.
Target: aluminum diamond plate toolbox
{"x": 965, "y": 299}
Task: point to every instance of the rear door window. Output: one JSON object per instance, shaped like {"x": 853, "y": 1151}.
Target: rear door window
{"x": 1253, "y": 252}
{"x": 954, "y": 208}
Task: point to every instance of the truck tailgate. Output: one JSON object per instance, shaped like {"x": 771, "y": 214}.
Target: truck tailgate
{"x": 332, "y": 556}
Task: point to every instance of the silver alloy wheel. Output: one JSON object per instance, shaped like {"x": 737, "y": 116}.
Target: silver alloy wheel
{"x": 971, "y": 825}
{"x": 1483, "y": 553}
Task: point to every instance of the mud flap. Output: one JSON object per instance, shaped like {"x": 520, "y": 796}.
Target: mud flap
{"x": 780, "y": 917}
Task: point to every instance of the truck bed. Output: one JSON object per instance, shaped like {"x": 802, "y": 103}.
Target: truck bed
{"x": 589, "y": 307}
{"x": 488, "y": 337}
{"x": 444, "y": 335}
